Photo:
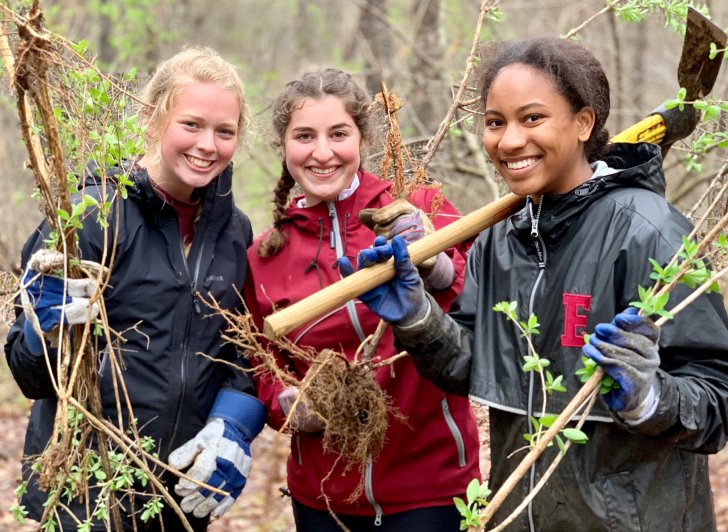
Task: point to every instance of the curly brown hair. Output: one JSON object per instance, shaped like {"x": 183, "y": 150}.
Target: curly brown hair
{"x": 312, "y": 85}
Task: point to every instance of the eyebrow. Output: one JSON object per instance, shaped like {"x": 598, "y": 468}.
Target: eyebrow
{"x": 195, "y": 118}
{"x": 521, "y": 109}
{"x": 335, "y": 126}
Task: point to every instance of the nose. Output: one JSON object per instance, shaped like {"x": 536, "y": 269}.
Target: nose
{"x": 206, "y": 141}
{"x": 322, "y": 152}
{"x": 513, "y": 138}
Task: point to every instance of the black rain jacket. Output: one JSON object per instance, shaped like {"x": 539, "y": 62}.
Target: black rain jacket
{"x": 154, "y": 301}
{"x": 574, "y": 264}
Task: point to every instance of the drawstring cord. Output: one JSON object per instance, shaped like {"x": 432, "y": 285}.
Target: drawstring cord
{"x": 314, "y": 262}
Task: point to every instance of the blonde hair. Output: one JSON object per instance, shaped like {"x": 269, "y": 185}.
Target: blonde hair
{"x": 193, "y": 64}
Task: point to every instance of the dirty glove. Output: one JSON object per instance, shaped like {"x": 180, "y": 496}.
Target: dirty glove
{"x": 219, "y": 454}
{"x": 401, "y": 300}
{"x": 47, "y": 298}
{"x": 627, "y": 351}
{"x": 304, "y": 419}
{"x": 404, "y": 219}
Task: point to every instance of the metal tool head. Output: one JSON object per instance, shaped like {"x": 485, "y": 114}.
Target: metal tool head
{"x": 697, "y": 72}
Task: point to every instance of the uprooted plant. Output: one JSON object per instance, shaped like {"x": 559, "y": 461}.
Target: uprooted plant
{"x": 71, "y": 114}
{"x": 342, "y": 392}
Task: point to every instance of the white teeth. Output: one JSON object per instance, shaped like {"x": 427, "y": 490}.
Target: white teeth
{"x": 515, "y": 165}
{"x": 323, "y": 171}
{"x": 199, "y": 163}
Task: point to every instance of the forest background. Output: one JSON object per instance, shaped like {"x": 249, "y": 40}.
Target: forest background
{"x": 419, "y": 49}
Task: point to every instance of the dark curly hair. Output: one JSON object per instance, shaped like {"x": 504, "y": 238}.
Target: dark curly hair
{"x": 576, "y": 73}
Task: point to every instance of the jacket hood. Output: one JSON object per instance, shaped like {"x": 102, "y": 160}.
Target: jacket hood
{"x": 638, "y": 165}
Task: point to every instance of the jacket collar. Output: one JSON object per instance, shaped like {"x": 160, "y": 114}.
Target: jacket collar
{"x": 370, "y": 189}
{"x": 638, "y": 165}
{"x": 217, "y": 197}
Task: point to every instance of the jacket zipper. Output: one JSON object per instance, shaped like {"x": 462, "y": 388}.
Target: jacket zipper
{"x": 541, "y": 254}
{"x": 335, "y": 243}
{"x": 188, "y": 326}
{"x": 370, "y": 493}
{"x": 455, "y": 430}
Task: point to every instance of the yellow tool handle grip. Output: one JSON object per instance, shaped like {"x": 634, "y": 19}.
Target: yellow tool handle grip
{"x": 650, "y": 129}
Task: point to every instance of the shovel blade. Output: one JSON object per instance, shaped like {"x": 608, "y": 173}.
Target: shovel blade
{"x": 697, "y": 72}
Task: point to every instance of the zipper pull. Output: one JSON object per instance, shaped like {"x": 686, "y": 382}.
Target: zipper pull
{"x": 195, "y": 301}
{"x": 332, "y": 215}
{"x": 534, "y": 219}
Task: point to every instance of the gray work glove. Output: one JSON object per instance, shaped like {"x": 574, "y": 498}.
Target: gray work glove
{"x": 627, "y": 351}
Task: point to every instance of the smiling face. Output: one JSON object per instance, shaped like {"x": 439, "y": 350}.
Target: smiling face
{"x": 198, "y": 141}
{"x": 322, "y": 148}
{"x": 532, "y": 135}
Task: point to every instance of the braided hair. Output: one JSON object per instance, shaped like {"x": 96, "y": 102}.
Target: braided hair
{"x": 312, "y": 85}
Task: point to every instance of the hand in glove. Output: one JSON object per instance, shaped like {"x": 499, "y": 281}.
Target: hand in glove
{"x": 219, "y": 454}
{"x": 627, "y": 351}
{"x": 303, "y": 419}
{"x": 48, "y": 299}
{"x": 402, "y": 300}
{"x": 401, "y": 218}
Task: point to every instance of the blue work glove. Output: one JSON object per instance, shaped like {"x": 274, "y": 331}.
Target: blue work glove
{"x": 627, "y": 351}
{"x": 401, "y": 300}
{"x": 219, "y": 454}
{"x": 48, "y": 299}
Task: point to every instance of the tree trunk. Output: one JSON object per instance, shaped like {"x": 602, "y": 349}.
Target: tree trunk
{"x": 430, "y": 96}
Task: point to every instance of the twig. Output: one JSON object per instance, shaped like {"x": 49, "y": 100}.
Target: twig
{"x": 583, "y": 395}
{"x": 693, "y": 296}
{"x": 432, "y": 146}
{"x": 569, "y": 34}
{"x": 550, "y": 471}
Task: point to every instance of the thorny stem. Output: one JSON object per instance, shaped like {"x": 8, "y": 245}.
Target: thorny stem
{"x": 432, "y": 146}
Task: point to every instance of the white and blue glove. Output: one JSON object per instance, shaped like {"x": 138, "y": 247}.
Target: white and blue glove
{"x": 219, "y": 454}
{"x": 401, "y": 300}
{"x": 47, "y": 299}
{"x": 627, "y": 351}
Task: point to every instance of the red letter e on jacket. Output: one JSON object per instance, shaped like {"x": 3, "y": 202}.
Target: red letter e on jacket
{"x": 576, "y": 308}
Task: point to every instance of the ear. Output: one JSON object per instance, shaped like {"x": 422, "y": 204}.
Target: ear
{"x": 585, "y": 119}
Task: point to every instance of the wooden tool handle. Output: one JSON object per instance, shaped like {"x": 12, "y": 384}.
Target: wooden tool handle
{"x": 285, "y": 320}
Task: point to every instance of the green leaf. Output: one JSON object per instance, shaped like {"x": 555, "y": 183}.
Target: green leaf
{"x": 548, "y": 420}
{"x": 575, "y": 435}
{"x": 713, "y": 51}
{"x": 471, "y": 493}
{"x": 560, "y": 443}
{"x": 460, "y": 505}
